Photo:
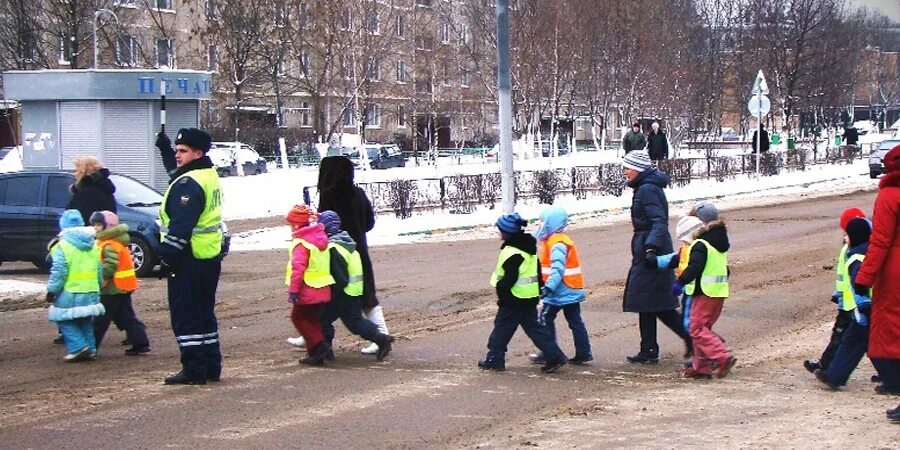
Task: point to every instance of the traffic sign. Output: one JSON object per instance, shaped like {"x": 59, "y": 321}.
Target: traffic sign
{"x": 759, "y": 105}
{"x": 759, "y": 85}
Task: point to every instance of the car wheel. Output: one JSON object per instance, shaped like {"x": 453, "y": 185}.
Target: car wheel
{"x": 42, "y": 264}
{"x": 223, "y": 172}
{"x": 141, "y": 255}
{"x": 873, "y": 175}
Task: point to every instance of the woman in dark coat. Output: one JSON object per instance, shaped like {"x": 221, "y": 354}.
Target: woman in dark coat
{"x": 93, "y": 190}
{"x": 338, "y": 193}
{"x": 648, "y": 291}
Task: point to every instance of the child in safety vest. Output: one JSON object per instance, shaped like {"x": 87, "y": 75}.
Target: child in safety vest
{"x": 563, "y": 282}
{"x": 844, "y": 309}
{"x": 119, "y": 281}
{"x": 705, "y": 279}
{"x": 308, "y": 277}
{"x": 684, "y": 232}
{"x": 516, "y": 279}
{"x": 346, "y": 293}
{"x": 74, "y": 286}
{"x": 855, "y": 339}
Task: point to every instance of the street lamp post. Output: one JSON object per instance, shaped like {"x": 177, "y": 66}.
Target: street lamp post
{"x": 96, "y": 15}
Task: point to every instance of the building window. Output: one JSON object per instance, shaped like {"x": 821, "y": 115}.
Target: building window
{"x": 29, "y": 46}
{"x": 212, "y": 57}
{"x": 401, "y": 116}
{"x": 125, "y": 51}
{"x": 424, "y": 42}
{"x": 423, "y": 84}
{"x": 399, "y": 29}
{"x": 304, "y": 14}
{"x": 349, "y": 117}
{"x": 463, "y": 33}
{"x": 401, "y": 71}
{"x": 65, "y": 50}
{"x": 126, "y": 3}
{"x": 446, "y": 73}
{"x": 424, "y": 3}
{"x": 445, "y": 33}
{"x": 305, "y": 114}
{"x": 304, "y": 64}
{"x": 463, "y": 77}
{"x": 282, "y": 15}
{"x": 211, "y": 12}
{"x": 165, "y": 55}
{"x": 373, "y": 116}
{"x": 372, "y": 22}
{"x": 346, "y": 70}
{"x": 372, "y": 69}
{"x": 346, "y": 19}
{"x": 165, "y": 4}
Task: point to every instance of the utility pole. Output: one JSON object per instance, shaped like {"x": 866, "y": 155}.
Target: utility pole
{"x": 507, "y": 180}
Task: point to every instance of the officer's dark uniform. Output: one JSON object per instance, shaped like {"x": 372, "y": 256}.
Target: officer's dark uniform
{"x": 191, "y": 248}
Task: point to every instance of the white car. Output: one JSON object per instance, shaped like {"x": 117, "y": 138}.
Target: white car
{"x": 876, "y": 158}
{"x": 230, "y": 157}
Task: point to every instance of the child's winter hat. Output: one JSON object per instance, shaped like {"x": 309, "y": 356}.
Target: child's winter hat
{"x": 858, "y": 231}
{"x": 331, "y": 221}
{"x": 511, "y": 223}
{"x": 849, "y": 214}
{"x": 70, "y": 218}
{"x": 686, "y": 228}
{"x": 638, "y": 160}
{"x": 108, "y": 219}
{"x": 706, "y": 212}
{"x": 300, "y": 215}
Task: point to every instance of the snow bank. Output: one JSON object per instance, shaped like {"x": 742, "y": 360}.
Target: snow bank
{"x": 11, "y": 289}
{"x": 817, "y": 180}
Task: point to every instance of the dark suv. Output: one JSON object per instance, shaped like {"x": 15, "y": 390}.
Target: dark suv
{"x": 32, "y": 201}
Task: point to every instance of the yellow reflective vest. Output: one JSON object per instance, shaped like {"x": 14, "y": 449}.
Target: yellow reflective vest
{"x": 848, "y": 295}
{"x": 318, "y": 272}
{"x": 206, "y": 237}
{"x": 354, "y": 269}
{"x": 714, "y": 278}
{"x": 83, "y": 269}
{"x": 526, "y": 286}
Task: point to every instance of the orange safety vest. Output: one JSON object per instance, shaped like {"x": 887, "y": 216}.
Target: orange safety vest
{"x": 684, "y": 256}
{"x": 124, "y": 278}
{"x": 572, "y": 277}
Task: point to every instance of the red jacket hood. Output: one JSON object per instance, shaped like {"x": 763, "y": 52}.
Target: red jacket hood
{"x": 890, "y": 179}
{"x": 314, "y": 234}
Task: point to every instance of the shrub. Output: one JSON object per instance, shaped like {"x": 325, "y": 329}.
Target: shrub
{"x": 545, "y": 186}
{"x": 402, "y": 197}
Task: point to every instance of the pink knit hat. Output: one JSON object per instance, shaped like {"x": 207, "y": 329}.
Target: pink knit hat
{"x": 108, "y": 219}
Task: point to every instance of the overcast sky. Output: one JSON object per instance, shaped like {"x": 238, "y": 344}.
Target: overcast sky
{"x": 890, "y": 8}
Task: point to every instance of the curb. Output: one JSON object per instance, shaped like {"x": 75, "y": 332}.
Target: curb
{"x": 620, "y": 209}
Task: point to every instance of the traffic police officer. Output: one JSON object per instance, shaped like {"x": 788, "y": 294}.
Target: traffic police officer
{"x": 191, "y": 249}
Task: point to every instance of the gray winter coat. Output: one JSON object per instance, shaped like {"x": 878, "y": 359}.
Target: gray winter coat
{"x": 649, "y": 289}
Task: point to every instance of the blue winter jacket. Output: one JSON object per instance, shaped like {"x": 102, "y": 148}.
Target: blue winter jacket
{"x": 555, "y": 292}
{"x": 68, "y": 305}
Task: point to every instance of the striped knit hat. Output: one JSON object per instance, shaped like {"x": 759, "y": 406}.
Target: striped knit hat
{"x": 511, "y": 223}
{"x": 686, "y": 227}
{"x": 637, "y": 160}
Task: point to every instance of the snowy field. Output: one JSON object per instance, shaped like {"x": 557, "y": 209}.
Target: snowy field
{"x": 282, "y": 188}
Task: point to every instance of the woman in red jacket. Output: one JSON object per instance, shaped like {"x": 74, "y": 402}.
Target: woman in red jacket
{"x": 881, "y": 270}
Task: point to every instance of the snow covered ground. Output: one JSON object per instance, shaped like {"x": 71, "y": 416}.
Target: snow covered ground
{"x": 242, "y": 197}
{"x": 15, "y": 289}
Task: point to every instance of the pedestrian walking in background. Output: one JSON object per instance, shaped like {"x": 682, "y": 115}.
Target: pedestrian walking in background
{"x": 517, "y": 282}
{"x": 764, "y": 144}
{"x": 309, "y": 280}
{"x": 118, "y": 283}
{"x": 338, "y": 193}
{"x": 648, "y": 291}
{"x": 634, "y": 139}
{"x": 657, "y": 143}
{"x": 705, "y": 280}
{"x": 74, "y": 286}
{"x": 844, "y": 306}
{"x": 191, "y": 249}
{"x": 563, "y": 283}
{"x": 855, "y": 339}
{"x": 347, "y": 271}
{"x": 881, "y": 271}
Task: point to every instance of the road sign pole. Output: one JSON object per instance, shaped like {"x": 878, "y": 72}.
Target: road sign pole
{"x": 758, "y": 134}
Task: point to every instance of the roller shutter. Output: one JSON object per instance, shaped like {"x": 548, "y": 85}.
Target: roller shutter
{"x": 126, "y": 147}
{"x": 79, "y": 131}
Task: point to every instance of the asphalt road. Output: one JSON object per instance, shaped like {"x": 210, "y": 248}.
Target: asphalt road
{"x": 429, "y": 393}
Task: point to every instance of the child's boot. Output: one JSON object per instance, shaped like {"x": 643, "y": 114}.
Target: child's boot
{"x": 376, "y": 316}
{"x": 495, "y": 365}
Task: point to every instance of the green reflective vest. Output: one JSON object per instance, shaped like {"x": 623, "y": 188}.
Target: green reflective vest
{"x": 83, "y": 269}
{"x": 527, "y": 284}
{"x": 206, "y": 237}
{"x": 715, "y": 275}
{"x": 354, "y": 270}
{"x": 848, "y": 297}
{"x": 842, "y": 280}
{"x": 318, "y": 272}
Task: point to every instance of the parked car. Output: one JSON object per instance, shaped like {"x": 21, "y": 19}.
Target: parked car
{"x": 32, "y": 201}
{"x": 227, "y": 156}
{"x": 380, "y": 156}
{"x": 876, "y": 158}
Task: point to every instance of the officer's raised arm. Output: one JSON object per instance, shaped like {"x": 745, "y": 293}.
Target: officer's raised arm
{"x": 166, "y": 152}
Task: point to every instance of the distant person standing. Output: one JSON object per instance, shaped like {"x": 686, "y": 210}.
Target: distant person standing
{"x": 851, "y": 135}
{"x": 634, "y": 139}
{"x": 657, "y": 144}
{"x": 764, "y": 144}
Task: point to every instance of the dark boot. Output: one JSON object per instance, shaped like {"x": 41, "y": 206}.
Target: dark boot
{"x": 384, "y": 346}
{"x": 820, "y": 375}
{"x": 316, "y": 356}
{"x": 498, "y": 366}
{"x": 643, "y": 358}
{"x": 812, "y": 366}
{"x": 553, "y": 366}
{"x": 182, "y": 378}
